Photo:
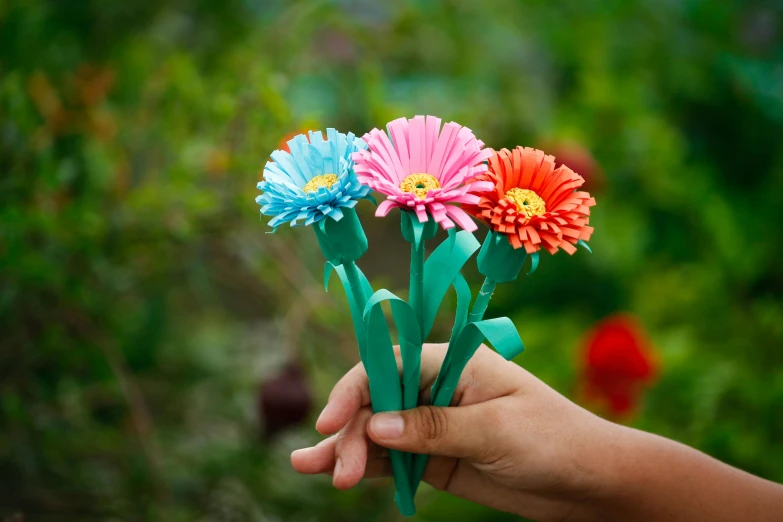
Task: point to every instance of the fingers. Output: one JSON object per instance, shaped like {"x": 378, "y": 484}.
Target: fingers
{"x": 351, "y": 451}
{"x": 348, "y": 395}
{"x": 318, "y": 459}
{"x": 345, "y": 456}
{"x": 353, "y": 390}
{"x": 462, "y": 432}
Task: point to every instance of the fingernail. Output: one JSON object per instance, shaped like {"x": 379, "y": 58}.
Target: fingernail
{"x": 338, "y": 465}
{"x": 388, "y": 425}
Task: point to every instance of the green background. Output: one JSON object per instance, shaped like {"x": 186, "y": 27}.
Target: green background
{"x": 142, "y": 303}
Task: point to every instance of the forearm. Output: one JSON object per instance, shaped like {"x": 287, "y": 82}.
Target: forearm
{"x": 646, "y": 477}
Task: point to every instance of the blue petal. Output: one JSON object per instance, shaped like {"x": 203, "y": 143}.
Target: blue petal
{"x": 283, "y": 197}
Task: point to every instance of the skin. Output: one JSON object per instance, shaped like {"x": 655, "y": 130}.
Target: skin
{"x": 516, "y": 445}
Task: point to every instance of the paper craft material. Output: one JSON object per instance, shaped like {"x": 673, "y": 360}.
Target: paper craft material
{"x": 436, "y": 177}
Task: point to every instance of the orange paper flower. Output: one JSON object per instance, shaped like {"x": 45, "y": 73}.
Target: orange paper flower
{"x": 533, "y": 202}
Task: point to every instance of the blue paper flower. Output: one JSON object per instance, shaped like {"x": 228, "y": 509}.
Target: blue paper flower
{"x": 313, "y": 181}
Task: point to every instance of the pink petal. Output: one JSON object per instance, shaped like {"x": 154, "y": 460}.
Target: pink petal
{"x": 418, "y": 146}
{"x": 398, "y": 130}
{"x": 438, "y": 211}
{"x": 461, "y": 218}
{"x": 440, "y": 148}
{"x": 421, "y": 213}
{"x": 431, "y": 133}
{"x": 385, "y": 207}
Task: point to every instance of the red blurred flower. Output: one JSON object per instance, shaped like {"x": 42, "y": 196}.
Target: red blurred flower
{"x": 618, "y": 364}
{"x": 284, "y": 400}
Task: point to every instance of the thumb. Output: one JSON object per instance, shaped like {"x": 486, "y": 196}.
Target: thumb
{"x": 459, "y": 432}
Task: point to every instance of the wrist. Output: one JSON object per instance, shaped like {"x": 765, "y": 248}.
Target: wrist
{"x": 618, "y": 471}
{"x": 604, "y": 471}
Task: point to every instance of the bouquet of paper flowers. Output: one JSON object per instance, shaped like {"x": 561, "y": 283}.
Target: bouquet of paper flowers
{"x": 436, "y": 176}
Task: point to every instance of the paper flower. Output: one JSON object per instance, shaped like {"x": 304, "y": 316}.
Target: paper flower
{"x": 618, "y": 363}
{"x": 534, "y": 203}
{"x": 424, "y": 169}
{"x": 314, "y": 181}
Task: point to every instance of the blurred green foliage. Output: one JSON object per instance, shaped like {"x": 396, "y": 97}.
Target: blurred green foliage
{"x": 141, "y": 303}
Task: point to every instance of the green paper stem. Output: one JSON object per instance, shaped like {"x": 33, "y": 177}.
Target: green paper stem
{"x": 416, "y": 301}
{"x": 386, "y": 395}
{"x": 410, "y": 395}
{"x": 377, "y": 355}
{"x": 482, "y": 300}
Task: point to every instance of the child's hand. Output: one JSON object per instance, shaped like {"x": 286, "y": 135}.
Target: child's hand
{"x": 517, "y": 445}
{"x": 513, "y": 444}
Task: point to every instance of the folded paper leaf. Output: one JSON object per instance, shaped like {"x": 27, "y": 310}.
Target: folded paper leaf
{"x": 500, "y": 333}
{"x": 585, "y": 245}
{"x": 441, "y": 269}
{"x": 533, "y": 263}
{"x": 460, "y": 320}
{"x": 357, "y": 290}
{"x": 386, "y": 394}
{"x": 409, "y": 339}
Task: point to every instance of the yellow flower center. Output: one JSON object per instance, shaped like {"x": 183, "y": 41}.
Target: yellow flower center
{"x": 324, "y": 180}
{"x": 419, "y": 184}
{"x": 526, "y": 201}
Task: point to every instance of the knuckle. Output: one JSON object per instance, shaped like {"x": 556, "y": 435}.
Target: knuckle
{"x": 432, "y": 423}
{"x": 355, "y": 391}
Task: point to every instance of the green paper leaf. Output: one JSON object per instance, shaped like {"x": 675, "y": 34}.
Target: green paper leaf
{"x": 441, "y": 269}
{"x": 533, "y": 263}
{"x": 452, "y": 237}
{"x": 409, "y": 341}
{"x": 357, "y": 290}
{"x": 328, "y": 269}
{"x": 500, "y": 333}
{"x": 584, "y": 245}
{"x": 386, "y": 395}
{"x": 464, "y": 297}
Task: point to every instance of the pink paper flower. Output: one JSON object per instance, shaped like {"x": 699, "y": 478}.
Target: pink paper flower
{"x": 424, "y": 169}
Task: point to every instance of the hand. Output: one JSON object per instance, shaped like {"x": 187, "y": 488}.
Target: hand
{"x": 513, "y": 443}
{"x": 516, "y": 445}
